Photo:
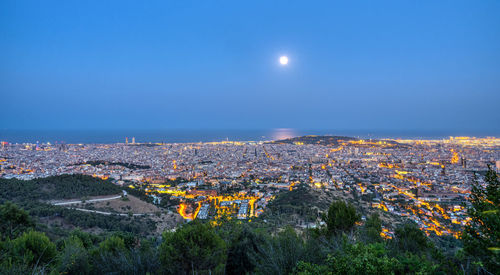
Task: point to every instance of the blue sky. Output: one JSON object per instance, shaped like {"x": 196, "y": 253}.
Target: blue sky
{"x": 398, "y": 65}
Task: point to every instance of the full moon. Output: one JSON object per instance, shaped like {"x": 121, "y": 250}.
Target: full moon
{"x": 284, "y": 60}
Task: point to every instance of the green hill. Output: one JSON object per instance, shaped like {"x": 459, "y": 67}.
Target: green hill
{"x": 55, "y": 188}
{"x": 335, "y": 141}
{"x": 34, "y": 196}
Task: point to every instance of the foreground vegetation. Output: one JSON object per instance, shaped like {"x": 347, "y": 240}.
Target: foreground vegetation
{"x": 232, "y": 247}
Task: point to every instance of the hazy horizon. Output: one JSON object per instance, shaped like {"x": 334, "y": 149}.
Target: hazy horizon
{"x": 209, "y": 135}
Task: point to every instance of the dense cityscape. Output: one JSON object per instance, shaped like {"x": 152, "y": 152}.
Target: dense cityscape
{"x": 427, "y": 181}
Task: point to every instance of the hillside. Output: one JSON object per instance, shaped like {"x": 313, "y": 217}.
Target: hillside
{"x": 37, "y": 196}
{"x": 336, "y": 141}
{"x": 302, "y": 207}
{"x": 319, "y": 140}
{"x": 57, "y": 187}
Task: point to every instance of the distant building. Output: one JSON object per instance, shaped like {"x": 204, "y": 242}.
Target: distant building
{"x": 156, "y": 199}
{"x": 210, "y": 192}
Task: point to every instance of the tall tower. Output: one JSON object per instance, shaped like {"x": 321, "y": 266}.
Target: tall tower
{"x": 126, "y": 140}
{"x": 133, "y": 140}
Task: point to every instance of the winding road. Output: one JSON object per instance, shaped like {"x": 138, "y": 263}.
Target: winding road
{"x": 108, "y": 213}
{"x": 92, "y": 200}
{"x": 114, "y": 197}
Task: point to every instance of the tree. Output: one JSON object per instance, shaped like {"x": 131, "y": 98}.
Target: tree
{"x": 122, "y": 254}
{"x": 306, "y": 268}
{"x": 112, "y": 256}
{"x": 280, "y": 254}
{"x": 372, "y": 229}
{"x": 14, "y": 220}
{"x": 193, "y": 248}
{"x": 414, "y": 264}
{"x": 74, "y": 258}
{"x": 88, "y": 240}
{"x": 409, "y": 238}
{"x": 113, "y": 244}
{"x": 362, "y": 259}
{"x": 481, "y": 236}
{"x": 33, "y": 249}
{"x": 341, "y": 217}
{"x": 242, "y": 252}
{"x": 128, "y": 238}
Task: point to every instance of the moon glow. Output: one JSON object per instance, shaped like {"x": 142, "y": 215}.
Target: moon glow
{"x": 283, "y": 60}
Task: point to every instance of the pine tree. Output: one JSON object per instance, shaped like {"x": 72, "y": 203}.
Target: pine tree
{"x": 481, "y": 236}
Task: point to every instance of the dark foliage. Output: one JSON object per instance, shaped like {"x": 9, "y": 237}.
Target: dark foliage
{"x": 482, "y": 235}
{"x": 194, "y": 248}
{"x": 123, "y": 164}
{"x": 341, "y": 217}
{"x": 55, "y": 188}
{"x": 13, "y": 221}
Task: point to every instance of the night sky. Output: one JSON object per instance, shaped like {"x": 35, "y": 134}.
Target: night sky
{"x": 398, "y": 65}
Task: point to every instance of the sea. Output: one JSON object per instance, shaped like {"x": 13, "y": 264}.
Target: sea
{"x": 189, "y": 136}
